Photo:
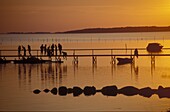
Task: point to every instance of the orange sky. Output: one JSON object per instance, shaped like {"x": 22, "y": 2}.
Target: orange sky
{"x": 63, "y": 15}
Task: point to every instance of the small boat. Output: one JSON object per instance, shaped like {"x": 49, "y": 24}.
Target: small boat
{"x": 154, "y": 47}
{"x": 4, "y": 61}
{"x": 122, "y": 61}
{"x": 31, "y": 60}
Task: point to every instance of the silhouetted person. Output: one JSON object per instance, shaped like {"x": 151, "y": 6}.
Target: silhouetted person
{"x": 19, "y": 51}
{"x": 29, "y": 50}
{"x": 24, "y": 50}
{"x": 55, "y": 50}
{"x": 45, "y": 49}
{"x": 136, "y": 53}
{"x": 49, "y": 52}
{"x": 60, "y": 48}
{"x": 52, "y": 49}
{"x": 41, "y": 48}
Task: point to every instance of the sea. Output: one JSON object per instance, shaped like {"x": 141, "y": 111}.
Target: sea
{"x": 18, "y": 81}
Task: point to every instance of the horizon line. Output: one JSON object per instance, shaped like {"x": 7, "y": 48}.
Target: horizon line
{"x": 81, "y": 29}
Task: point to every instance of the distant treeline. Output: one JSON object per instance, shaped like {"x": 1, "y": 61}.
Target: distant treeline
{"x": 122, "y": 30}
{"x": 107, "y": 30}
{"x": 31, "y": 32}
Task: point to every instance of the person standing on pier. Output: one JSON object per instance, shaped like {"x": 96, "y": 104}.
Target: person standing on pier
{"x": 52, "y": 49}
{"x": 55, "y": 50}
{"x": 29, "y": 50}
{"x": 19, "y": 51}
{"x": 49, "y": 52}
{"x": 24, "y": 50}
{"x": 60, "y": 48}
{"x": 45, "y": 48}
{"x": 136, "y": 53}
{"x": 41, "y": 49}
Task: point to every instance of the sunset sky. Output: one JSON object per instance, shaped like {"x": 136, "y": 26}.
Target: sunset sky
{"x": 63, "y": 15}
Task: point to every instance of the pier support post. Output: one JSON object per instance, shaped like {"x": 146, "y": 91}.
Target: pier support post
{"x": 94, "y": 59}
{"x": 152, "y": 59}
{"x": 113, "y": 60}
{"x": 75, "y": 59}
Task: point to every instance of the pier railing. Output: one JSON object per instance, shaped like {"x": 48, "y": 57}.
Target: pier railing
{"x": 94, "y": 53}
{"x": 88, "y": 52}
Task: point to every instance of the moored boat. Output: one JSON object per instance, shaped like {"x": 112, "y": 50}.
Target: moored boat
{"x": 154, "y": 47}
{"x": 31, "y": 60}
{"x": 4, "y": 61}
{"x": 124, "y": 60}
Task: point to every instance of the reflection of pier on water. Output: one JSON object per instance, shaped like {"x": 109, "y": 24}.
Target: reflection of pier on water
{"x": 52, "y": 74}
{"x": 2, "y": 67}
{"x": 49, "y": 74}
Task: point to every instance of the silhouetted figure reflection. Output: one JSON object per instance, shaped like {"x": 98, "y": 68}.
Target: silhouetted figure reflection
{"x": 64, "y": 69}
{"x": 29, "y": 73}
{"x": 19, "y": 71}
{"x": 60, "y": 74}
{"x": 22, "y": 74}
{"x": 53, "y": 73}
{"x": 24, "y": 67}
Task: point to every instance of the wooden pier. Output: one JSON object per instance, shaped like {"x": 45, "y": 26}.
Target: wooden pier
{"x": 94, "y": 53}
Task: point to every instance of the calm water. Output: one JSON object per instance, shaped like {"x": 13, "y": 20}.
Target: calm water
{"x": 17, "y": 81}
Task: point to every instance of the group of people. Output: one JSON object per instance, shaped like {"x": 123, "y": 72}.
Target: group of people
{"x": 51, "y": 50}
{"x": 22, "y": 48}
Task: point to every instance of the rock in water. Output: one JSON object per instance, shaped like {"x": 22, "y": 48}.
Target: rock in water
{"x": 109, "y": 90}
{"x": 77, "y": 91}
{"x": 129, "y": 91}
{"x": 54, "y": 91}
{"x": 36, "y": 91}
{"x": 146, "y": 92}
{"x": 62, "y": 91}
{"x": 69, "y": 90}
{"x": 46, "y": 90}
{"x": 163, "y": 92}
{"x": 88, "y": 90}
